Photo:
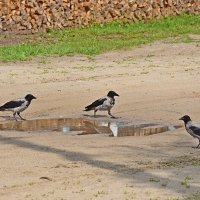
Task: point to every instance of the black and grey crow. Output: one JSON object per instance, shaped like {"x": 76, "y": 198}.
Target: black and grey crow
{"x": 18, "y": 105}
{"x": 104, "y": 103}
{"x": 192, "y": 128}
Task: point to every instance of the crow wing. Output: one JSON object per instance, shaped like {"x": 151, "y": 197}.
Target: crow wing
{"x": 95, "y": 104}
{"x": 195, "y": 130}
{"x": 11, "y": 104}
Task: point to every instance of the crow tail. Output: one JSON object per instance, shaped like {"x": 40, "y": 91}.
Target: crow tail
{"x": 87, "y": 109}
{"x": 2, "y": 109}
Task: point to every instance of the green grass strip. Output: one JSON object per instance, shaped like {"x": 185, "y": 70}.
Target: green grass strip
{"x": 96, "y": 38}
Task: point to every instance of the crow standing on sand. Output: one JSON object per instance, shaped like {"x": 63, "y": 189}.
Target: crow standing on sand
{"x": 104, "y": 103}
{"x": 192, "y": 128}
{"x": 18, "y": 105}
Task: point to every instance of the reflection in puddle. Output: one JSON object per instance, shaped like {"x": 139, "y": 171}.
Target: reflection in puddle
{"x": 66, "y": 129}
{"x": 114, "y": 128}
{"x": 84, "y": 126}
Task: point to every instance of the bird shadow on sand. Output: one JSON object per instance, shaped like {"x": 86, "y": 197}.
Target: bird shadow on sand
{"x": 7, "y": 118}
{"x": 100, "y": 116}
{"x": 97, "y": 116}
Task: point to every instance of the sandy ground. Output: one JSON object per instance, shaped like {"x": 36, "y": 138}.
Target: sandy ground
{"x": 158, "y": 82}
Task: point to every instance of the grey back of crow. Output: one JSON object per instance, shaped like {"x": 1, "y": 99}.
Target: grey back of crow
{"x": 95, "y": 104}
{"x": 11, "y": 104}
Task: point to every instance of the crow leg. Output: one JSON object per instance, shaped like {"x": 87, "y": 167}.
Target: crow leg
{"x": 20, "y": 116}
{"x": 109, "y": 113}
{"x": 14, "y": 115}
{"x": 95, "y": 113}
{"x": 198, "y": 144}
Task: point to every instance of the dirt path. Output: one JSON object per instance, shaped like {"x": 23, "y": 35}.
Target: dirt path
{"x": 157, "y": 82}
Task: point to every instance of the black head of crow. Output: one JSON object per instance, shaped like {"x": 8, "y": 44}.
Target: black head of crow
{"x": 185, "y": 118}
{"x": 29, "y": 97}
{"x": 112, "y": 94}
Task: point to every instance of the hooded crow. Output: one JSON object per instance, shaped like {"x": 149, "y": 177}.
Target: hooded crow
{"x": 104, "y": 103}
{"x": 18, "y": 105}
{"x": 192, "y": 128}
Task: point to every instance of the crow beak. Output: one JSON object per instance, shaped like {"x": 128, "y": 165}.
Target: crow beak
{"x": 116, "y": 94}
{"x": 181, "y": 118}
{"x": 34, "y": 97}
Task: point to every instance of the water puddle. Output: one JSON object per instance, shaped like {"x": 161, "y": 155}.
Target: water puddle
{"x": 121, "y": 129}
{"x": 84, "y": 126}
